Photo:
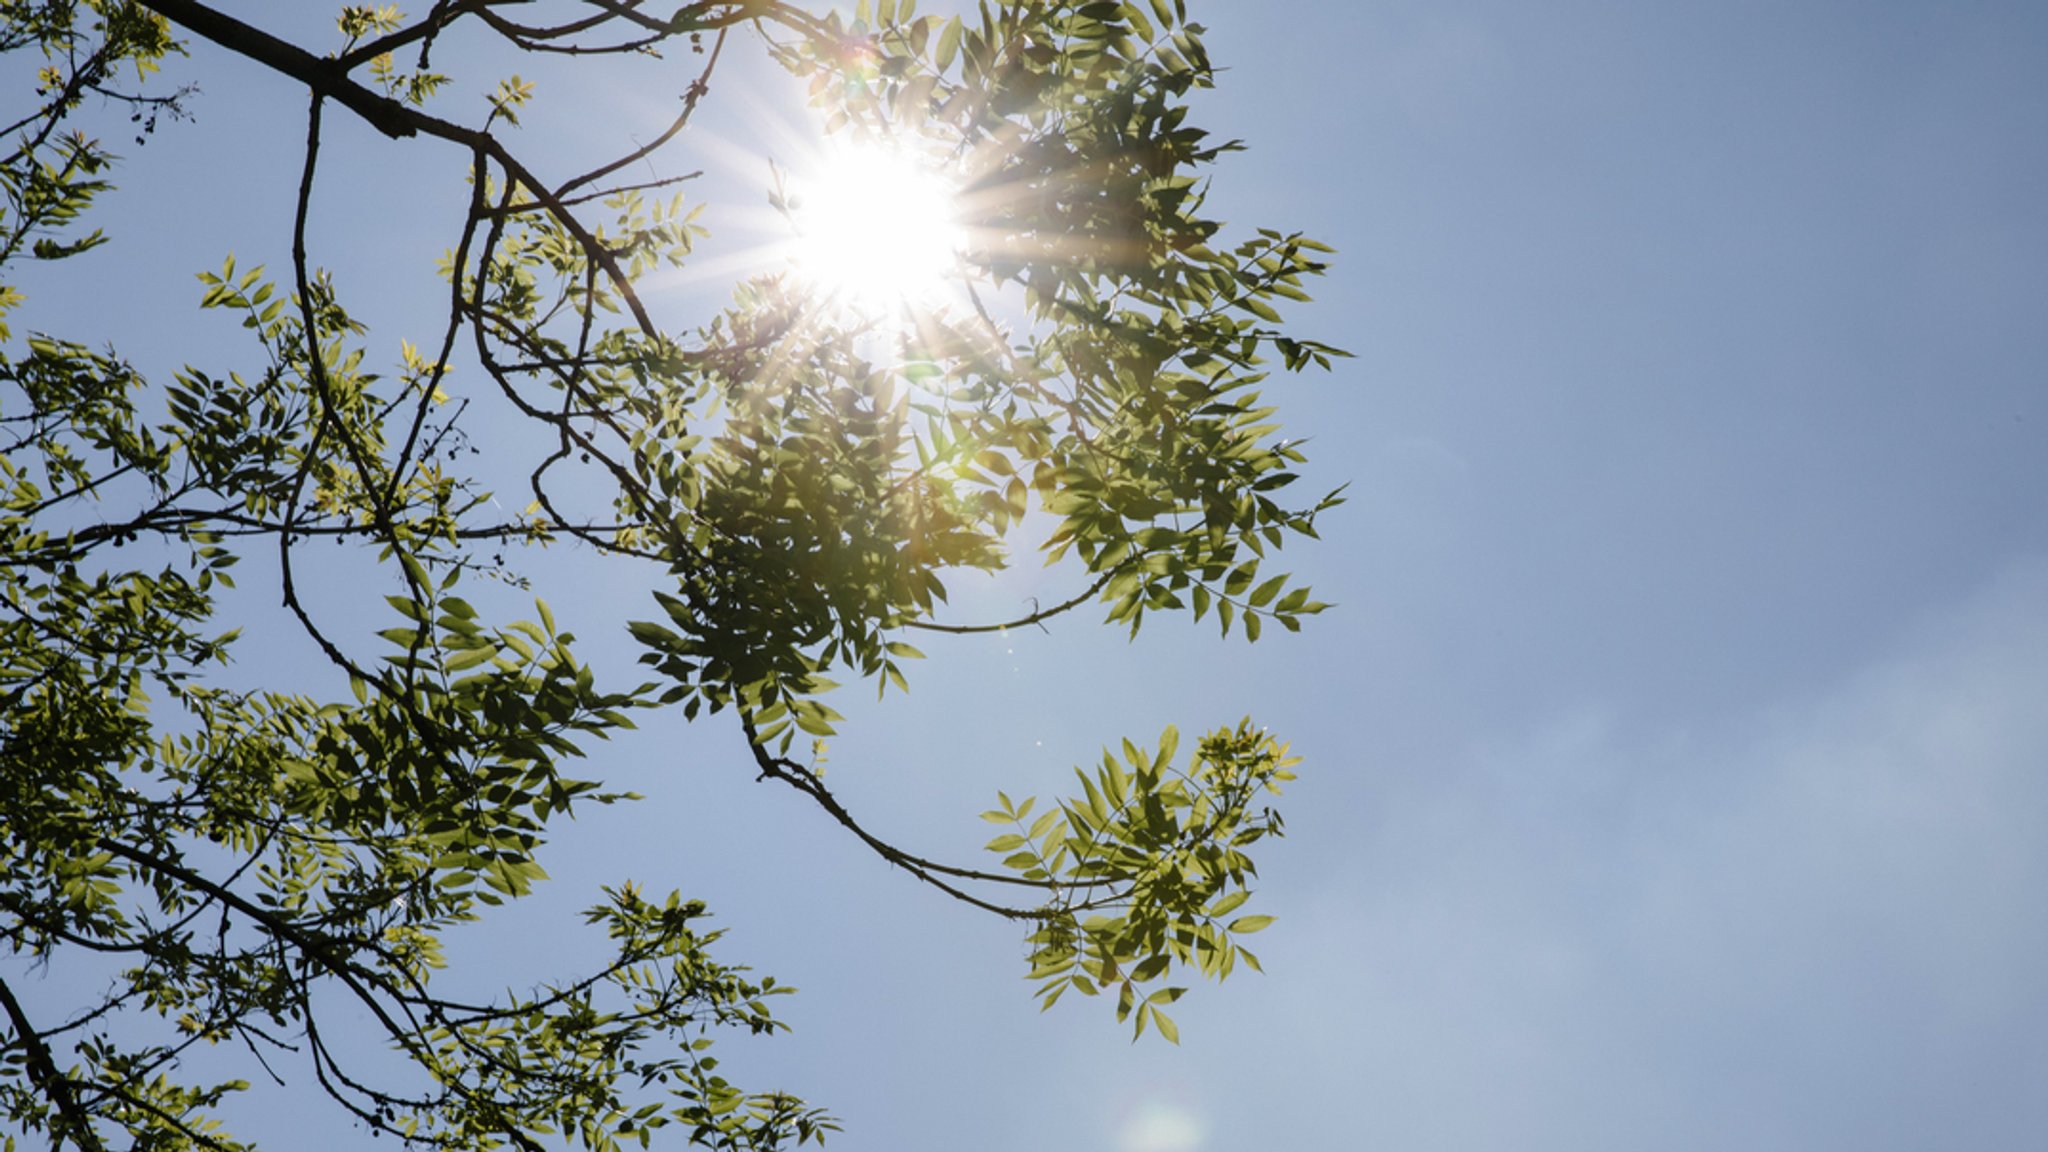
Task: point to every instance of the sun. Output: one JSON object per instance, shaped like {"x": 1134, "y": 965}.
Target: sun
{"x": 877, "y": 229}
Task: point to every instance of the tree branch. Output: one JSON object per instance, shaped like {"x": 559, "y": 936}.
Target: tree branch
{"x": 1038, "y": 617}
{"x": 42, "y": 1069}
{"x": 327, "y": 78}
{"x": 929, "y": 871}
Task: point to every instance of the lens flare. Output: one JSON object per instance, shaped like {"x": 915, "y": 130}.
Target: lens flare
{"x": 876, "y": 229}
{"x": 1158, "y": 1126}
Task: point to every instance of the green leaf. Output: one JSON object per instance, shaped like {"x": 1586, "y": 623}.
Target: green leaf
{"x": 1166, "y": 1026}
{"x": 470, "y": 658}
{"x": 1266, "y": 591}
{"x": 1228, "y": 903}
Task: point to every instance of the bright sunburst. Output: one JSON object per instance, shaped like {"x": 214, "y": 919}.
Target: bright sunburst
{"x": 876, "y": 229}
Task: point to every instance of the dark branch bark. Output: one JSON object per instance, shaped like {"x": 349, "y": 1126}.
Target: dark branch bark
{"x": 326, "y": 77}
{"x": 73, "y": 1123}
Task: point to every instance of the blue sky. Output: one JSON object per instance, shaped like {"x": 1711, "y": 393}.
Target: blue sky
{"x": 1677, "y": 760}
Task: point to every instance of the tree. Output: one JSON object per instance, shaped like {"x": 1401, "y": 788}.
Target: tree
{"x": 795, "y": 477}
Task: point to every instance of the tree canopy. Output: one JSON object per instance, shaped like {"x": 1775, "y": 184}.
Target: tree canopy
{"x": 794, "y": 479}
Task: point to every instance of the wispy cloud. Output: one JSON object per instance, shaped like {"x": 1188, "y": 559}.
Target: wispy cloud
{"x": 1824, "y": 929}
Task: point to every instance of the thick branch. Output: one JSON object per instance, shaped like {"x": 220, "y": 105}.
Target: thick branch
{"x": 326, "y": 77}
{"x": 42, "y": 1069}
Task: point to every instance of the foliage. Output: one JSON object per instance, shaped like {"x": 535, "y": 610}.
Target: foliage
{"x": 1159, "y": 846}
{"x": 797, "y": 481}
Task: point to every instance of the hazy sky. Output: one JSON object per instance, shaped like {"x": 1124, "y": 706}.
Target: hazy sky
{"x": 1677, "y": 758}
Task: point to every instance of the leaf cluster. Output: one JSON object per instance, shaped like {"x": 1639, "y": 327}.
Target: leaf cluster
{"x": 796, "y": 486}
{"x": 1147, "y": 866}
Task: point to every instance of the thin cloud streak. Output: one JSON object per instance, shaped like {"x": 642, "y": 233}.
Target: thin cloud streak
{"x": 1825, "y": 931}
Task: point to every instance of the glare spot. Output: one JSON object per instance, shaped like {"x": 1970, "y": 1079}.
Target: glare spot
{"x": 877, "y": 229}
{"x": 1157, "y": 1126}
